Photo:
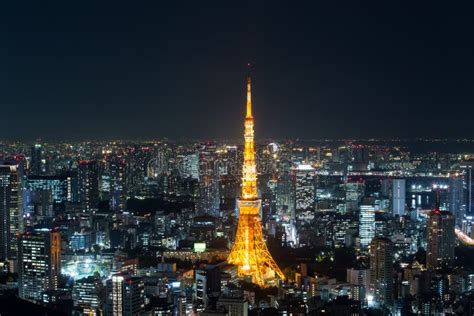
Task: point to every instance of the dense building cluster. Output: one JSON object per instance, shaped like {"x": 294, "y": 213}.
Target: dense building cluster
{"x": 145, "y": 228}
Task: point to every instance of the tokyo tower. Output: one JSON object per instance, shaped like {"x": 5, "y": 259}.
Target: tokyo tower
{"x": 249, "y": 252}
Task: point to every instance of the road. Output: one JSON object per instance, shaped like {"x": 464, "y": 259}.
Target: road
{"x": 463, "y": 237}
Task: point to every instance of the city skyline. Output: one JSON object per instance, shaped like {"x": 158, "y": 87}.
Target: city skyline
{"x": 138, "y": 177}
{"x": 321, "y": 70}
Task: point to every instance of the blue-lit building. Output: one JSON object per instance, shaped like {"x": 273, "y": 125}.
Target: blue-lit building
{"x": 10, "y": 210}
{"x": 398, "y": 197}
{"x": 467, "y": 173}
{"x": 366, "y": 225}
{"x": 62, "y": 188}
{"x": 86, "y": 295}
{"x": 81, "y": 241}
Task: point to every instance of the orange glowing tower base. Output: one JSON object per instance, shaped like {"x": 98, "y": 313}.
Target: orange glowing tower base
{"x": 250, "y": 253}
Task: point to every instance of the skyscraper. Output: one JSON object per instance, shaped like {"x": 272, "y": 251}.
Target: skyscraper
{"x": 359, "y": 277}
{"x": 285, "y": 197}
{"x": 86, "y": 294}
{"x": 125, "y": 296}
{"x": 88, "y": 183}
{"x": 190, "y": 166}
{"x": 36, "y": 163}
{"x": 468, "y": 185}
{"x": 304, "y": 190}
{"x": 354, "y": 193}
{"x": 250, "y": 253}
{"x": 456, "y": 203}
{"x": 115, "y": 169}
{"x": 208, "y": 200}
{"x": 39, "y": 263}
{"x": 10, "y": 210}
{"x": 398, "y": 197}
{"x": 137, "y": 162}
{"x": 366, "y": 225}
{"x": 440, "y": 238}
{"x": 58, "y": 186}
{"x": 208, "y": 284}
{"x": 381, "y": 275}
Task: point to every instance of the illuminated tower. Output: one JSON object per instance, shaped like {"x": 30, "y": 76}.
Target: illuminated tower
{"x": 250, "y": 253}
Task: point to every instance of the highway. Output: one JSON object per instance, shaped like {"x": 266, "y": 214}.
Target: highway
{"x": 465, "y": 239}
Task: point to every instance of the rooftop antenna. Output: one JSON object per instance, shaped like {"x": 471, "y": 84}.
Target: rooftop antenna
{"x": 249, "y": 94}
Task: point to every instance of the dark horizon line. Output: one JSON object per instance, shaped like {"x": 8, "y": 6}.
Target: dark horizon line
{"x": 239, "y": 140}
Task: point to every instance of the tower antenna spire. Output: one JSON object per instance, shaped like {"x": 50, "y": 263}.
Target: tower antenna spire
{"x": 249, "y": 93}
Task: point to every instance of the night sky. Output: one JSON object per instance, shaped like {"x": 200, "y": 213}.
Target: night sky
{"x": 321, "y": 69}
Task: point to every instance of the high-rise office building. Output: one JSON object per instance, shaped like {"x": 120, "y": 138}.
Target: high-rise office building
{"x": 354, "y": 194}
{"x": 137, "y": 162}
{"x": 208, "y": 200}
{"x": 190, "y": 166}
{"x": 207, "y": 284}
{"x": 10, "y": 210}
{"x": 381, "y": 271}
{"x": 39, "y": 263}
{"x": 285, "y": 197}
{"x": 304, "y": 190}
{"x": 366, "y": 225}
{"x": 81, "y": 240}
{"x": 398, "y": 197}
{"x": 360, "y": 278}
{"x": 455, "y": 203}
{"x": 467, "y": 173}
{"x": 125, "y": 296}
{"x": 59, "y": 187}
{"x": 440, "y": 239}
{"x": 86, "y": 294}
{"x": 115, "y": 169}
{"x": 36, "y": 163}
{"x": 88, "y": 185}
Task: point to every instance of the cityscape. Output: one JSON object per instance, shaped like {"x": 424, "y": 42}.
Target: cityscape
{"x": 102, "y": 215}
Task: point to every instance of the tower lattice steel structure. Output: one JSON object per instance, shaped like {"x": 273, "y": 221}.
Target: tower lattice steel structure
{"x": 249, "y": 252}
